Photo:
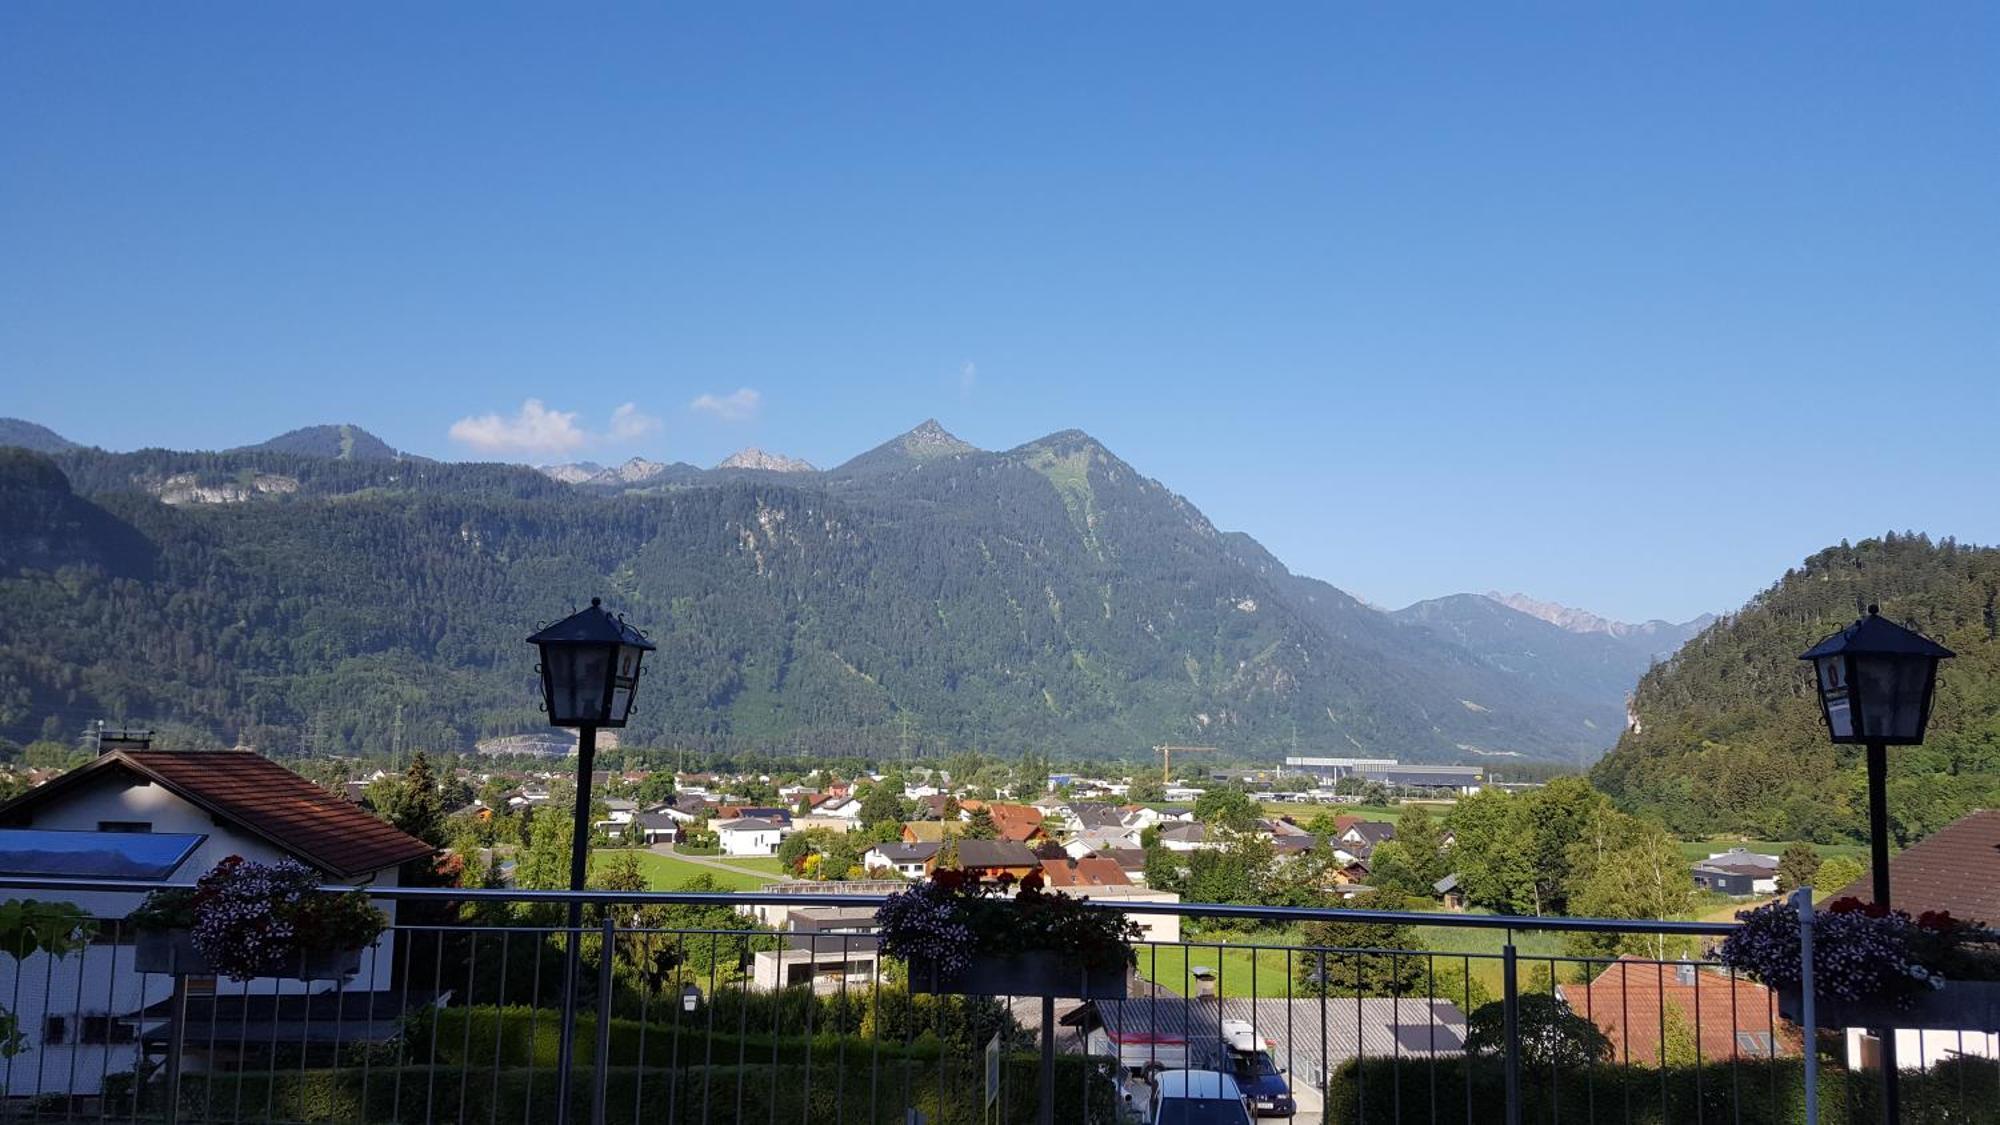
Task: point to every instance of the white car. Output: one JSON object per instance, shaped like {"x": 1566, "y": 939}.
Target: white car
{"x": 1197, "y": 1097}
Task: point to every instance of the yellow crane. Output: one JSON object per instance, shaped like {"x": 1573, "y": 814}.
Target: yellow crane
{"x": 1167, "y": 753}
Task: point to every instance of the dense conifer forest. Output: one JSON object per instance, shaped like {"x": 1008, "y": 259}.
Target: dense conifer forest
{"x": 925, "y": 596}
{"x": 1730, "y": 737}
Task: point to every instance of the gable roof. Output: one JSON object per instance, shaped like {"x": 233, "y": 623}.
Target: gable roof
{"x": 1127, "y": 859}
{"x": 1625, "y": 1000}
{"x": 249, "y": 791}
{"x": 995, "y": 853}
{"x": 932, "y": 831}
{"x": 746, "y": 824}
{"x": 1956, "y": 868}
{"x": 906, "y": 853}
{"x": 1091, "y": 871}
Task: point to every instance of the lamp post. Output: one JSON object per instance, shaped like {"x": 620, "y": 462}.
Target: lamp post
{"x": 590, "y": 674}
{"x": 1876, "y": 680}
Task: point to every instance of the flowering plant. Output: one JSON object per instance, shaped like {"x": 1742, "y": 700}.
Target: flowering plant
{"x": 1862, "y": 951}
{"x": 254, "y": 919}
{"x": 955, "y": 916}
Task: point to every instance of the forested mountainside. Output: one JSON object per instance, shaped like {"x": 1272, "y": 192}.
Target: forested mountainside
{"x": 925, "y": 594}
{"x": 1730, "y": 736}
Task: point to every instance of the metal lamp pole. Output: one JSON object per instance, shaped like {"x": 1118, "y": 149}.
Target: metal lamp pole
{"x": 579, "y": 870}
{"x": 1878, "y": 855}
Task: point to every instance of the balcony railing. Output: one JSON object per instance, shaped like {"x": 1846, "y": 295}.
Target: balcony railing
{"x": 460, "y": 1014}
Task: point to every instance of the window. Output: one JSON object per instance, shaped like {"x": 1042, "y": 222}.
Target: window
{"x": 103, "y": 1029}
{"x": 56, "y": 1031}
{"x": 124, "y": 826}
{"x": 1756, "y": 1044}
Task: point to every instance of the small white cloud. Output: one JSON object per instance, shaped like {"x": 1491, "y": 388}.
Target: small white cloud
{"x": 536, "y": 429}
{"x": 968, "y": 374}
{"x": 740, "y": 406}
{"x": 628, "y": 423}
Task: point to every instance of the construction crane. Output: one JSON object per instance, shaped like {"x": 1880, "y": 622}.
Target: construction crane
{"x": 1167, "y": 753}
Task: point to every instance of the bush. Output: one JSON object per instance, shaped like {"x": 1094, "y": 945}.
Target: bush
{"x": 756, "y": 1091}
{"x": 1749, "y": 1092}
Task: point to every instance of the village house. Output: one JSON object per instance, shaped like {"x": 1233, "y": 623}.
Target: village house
{"x": 175, "y": 815}
{"x": 990, "y": 859}
{"x": 908, "y": 860}
{"x": 1737, "y": 872}
{"x": 1631, "y": 999}
{"x": 748, "y": 836}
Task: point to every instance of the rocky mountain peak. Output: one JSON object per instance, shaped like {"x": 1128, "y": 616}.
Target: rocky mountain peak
{"x": 754, "y": 458}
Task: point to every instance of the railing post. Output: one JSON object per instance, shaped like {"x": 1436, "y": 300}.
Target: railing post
{"x": 1808, "y": 1015}
{"x": 1047, "y": 1115}
{"x": 600, "y": 1072}
{"x": 1511, "y": 1007}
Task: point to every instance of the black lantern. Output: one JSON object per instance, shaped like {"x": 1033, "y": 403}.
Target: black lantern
{"x": 1875, "y": 681}
{"x": 590, "y": 668}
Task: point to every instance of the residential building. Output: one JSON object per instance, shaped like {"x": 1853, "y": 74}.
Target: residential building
{"x": 1737, "y": 872}
{"x": 908, "y": 860}
{"x": 195, "y": 809}
{"x": 748, "y": 836}
{"x": 1631, "y": 999}
{"x": 1083, "y": 875}
{"x": 1955, "y": 869}
{"x": 991, "y": 859}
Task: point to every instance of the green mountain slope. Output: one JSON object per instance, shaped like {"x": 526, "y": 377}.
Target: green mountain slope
{"x": 29, "y": 435}
{"x": 341, "y": 442}
{"x": 1730, "y": 736}
{"x": 1045, "y": 597}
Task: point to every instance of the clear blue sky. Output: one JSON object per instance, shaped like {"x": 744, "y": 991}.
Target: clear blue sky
{"x": 1625, "y": 308}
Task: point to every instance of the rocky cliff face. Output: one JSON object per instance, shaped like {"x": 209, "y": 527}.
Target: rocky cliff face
{"x": 754, "y": 458}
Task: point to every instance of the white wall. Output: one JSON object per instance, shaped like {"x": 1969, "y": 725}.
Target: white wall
{"x": 100, "y": 980}
{"x": 1925, "y": 1049}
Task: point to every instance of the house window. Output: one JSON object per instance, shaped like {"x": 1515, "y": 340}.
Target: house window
{"x": 103, "y": 1029}
{"x": 56, "y": 1031}
{"x": 124, "y": 826}
{"x": 1756, "y": 1044}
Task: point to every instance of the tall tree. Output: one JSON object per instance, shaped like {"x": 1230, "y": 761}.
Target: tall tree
{"x": 1797, "y": 867}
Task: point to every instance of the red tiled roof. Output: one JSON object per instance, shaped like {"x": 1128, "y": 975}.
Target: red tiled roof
{"x": 1956, "y": 868}
{"x": 1624, "y": 1002}
{"x": 249, "y": 791}
{"x": 1090, "y": 871}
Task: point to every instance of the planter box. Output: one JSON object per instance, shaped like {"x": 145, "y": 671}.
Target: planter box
{"x": 168, "y": 951}
{"x": 1961, "y": 1005}
{"x": 1024, "y": 974}
{"x": 174, "y": 952}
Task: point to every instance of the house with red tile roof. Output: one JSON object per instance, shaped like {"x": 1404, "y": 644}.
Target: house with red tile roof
{"x": 1955, "y": 869}
{"x": 1632, "y": 1000}
{"x": 1082, "y": 874}
{"x": 196, "y": 809}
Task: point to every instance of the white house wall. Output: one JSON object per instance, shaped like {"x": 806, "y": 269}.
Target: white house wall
{"x": 101, "y": 980}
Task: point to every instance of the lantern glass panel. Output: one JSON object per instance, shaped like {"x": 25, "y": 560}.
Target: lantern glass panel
{"x": 576, "y": 679}
{"x": 624, "y": 684}
{"x": 1893, "y": 690}
{"x": 1834, "y": 692}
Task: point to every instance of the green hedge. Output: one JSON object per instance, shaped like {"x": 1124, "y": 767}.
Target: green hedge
{"x": 1751, "y": 1092}
{"x": 731, "y": 1020}
{"x": 690, "y": 1095}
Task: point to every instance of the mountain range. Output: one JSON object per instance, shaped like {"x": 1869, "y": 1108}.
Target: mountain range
{"x": 321, "y": 592}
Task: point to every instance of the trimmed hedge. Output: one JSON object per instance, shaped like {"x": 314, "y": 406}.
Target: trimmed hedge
{"x": 689, "y": 1095}
{"x": 1750, "y": 1092}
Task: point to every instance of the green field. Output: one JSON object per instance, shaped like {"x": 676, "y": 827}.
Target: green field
{"x": 1702, "y": 849}
{"x": 1240, "y": 972}
{"x": 1302, "y": 811}
{"x": 669, "y": 873}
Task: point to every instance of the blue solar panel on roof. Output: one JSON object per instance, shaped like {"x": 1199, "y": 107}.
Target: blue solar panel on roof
{"x": 59, "y": 853}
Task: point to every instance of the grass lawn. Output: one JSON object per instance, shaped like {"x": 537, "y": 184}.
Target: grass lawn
{"x": 1702, "y": 849}
{"x": 1303, "y": 811}
{"x": 669, "y": 873}
{"x": 1169, "y": 965}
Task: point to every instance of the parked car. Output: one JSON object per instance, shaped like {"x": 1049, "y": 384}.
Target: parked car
{"x": 1263, "y": 1083}
{"x": 1197, "y": 1097}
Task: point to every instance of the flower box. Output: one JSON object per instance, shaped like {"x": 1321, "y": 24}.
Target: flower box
{"x": 1959, "y": 1005}
{"x": 1023, "y": 974}
{"x": 168, "y": 951}
{"x": 174, "y": 952}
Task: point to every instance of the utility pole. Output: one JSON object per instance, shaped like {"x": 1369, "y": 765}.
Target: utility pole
{"x": 396, "y": 739}
{"x": 1167, "y": 753}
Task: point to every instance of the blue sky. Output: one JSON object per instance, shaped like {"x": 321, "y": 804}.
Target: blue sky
{"x": 1627, "y": 307}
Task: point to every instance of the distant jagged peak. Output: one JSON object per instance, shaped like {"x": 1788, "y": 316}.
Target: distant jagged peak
{"x": 755, "y": 458}
{"x": 931, "y": 439}
{"x": 24, "y": 434}
{"x": 575, "y": 472}
{"x": 1584, "y": 621}
{"x": 340, "y": 441}
{"x": 633, "y": 471}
